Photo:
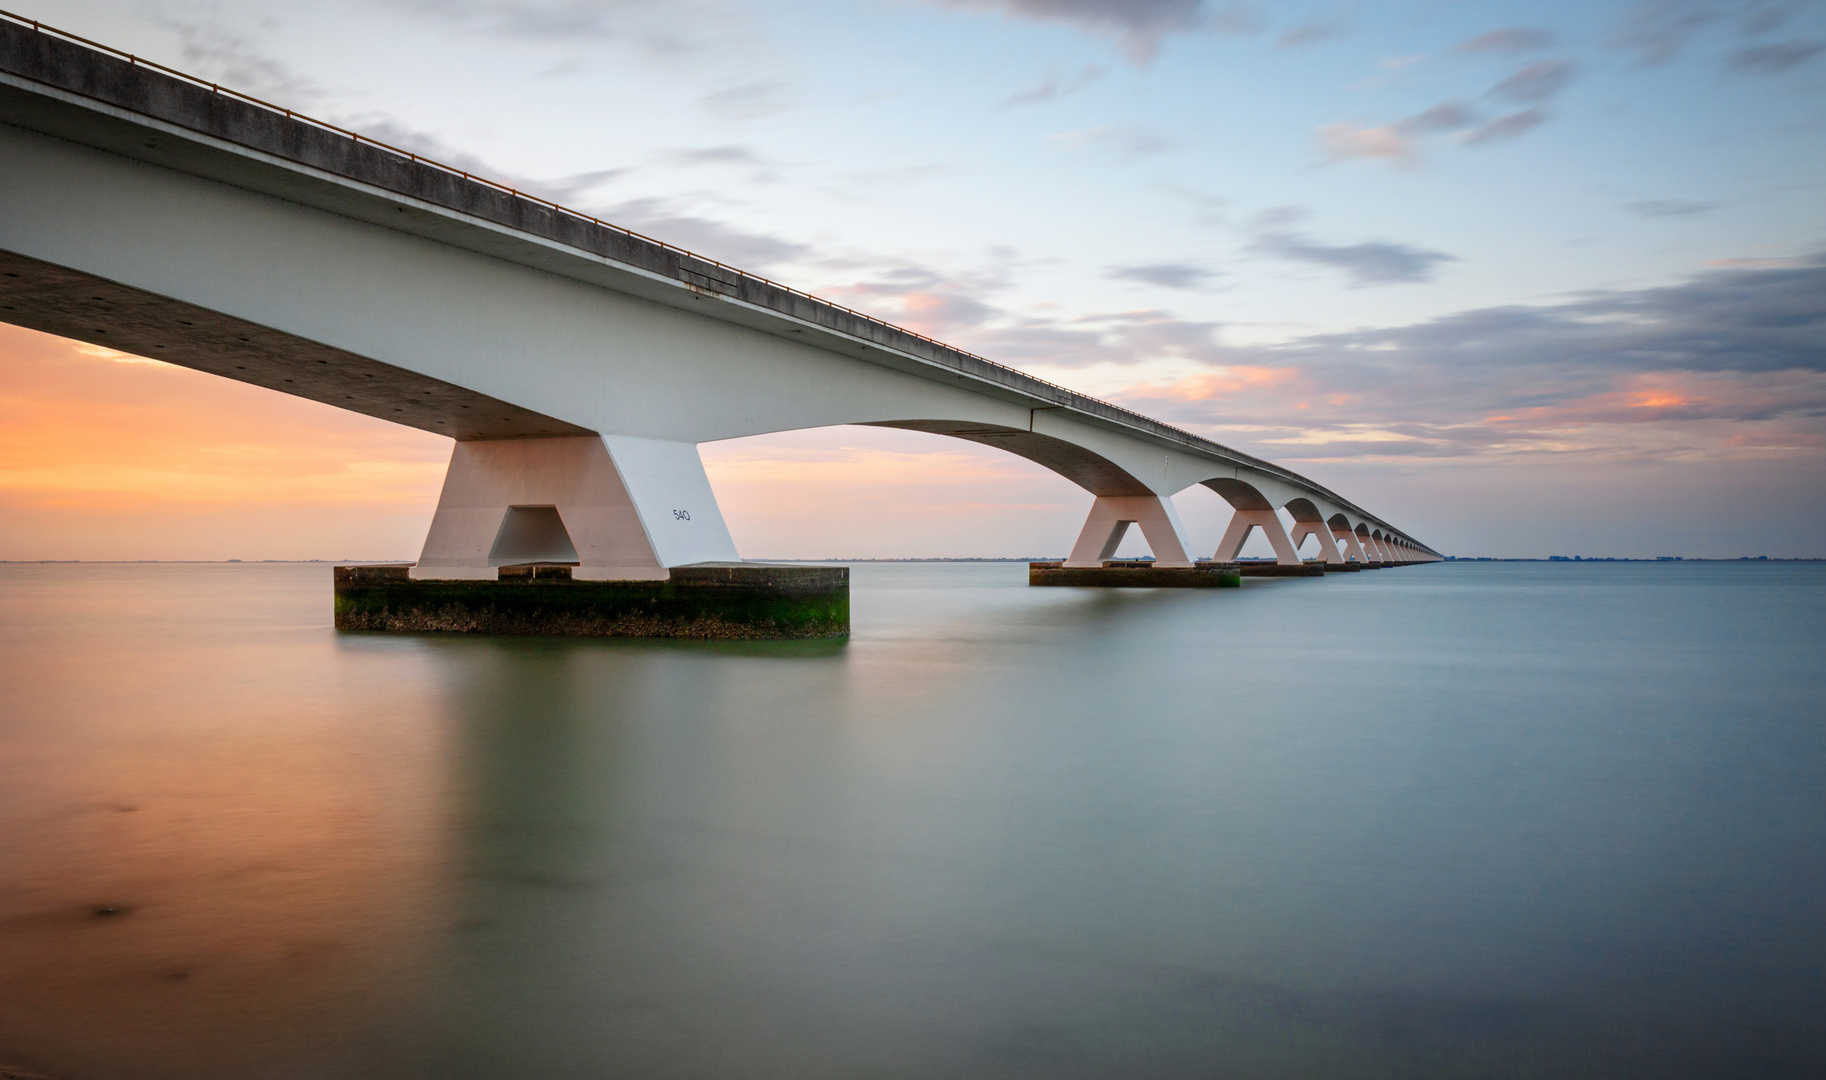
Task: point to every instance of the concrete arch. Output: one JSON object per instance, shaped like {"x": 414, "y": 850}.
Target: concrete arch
{"x": 1252, "y": 511}
{"x": 1345, "y": 537}
{"x": 1122, "y": 499}
{"x": 1309, "y": 520}
{"x": 1304, "y": 509}
{"x": 1090, "y": 471}
{"x": 1240, "y": 494}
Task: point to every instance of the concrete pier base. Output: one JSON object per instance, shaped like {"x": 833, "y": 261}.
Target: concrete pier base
{"x": 723, "y": 601}
{"x": 1122, "y": 574}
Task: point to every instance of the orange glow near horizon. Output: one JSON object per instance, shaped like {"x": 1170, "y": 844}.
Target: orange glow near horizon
{"x": 108, "y": 456}
{"x": 82, "y": 426}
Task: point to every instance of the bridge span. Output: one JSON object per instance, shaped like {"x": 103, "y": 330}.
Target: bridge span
{"x": 576, "y": 364}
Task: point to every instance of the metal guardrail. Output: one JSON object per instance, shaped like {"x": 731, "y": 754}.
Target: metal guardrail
{"x": 1191, "y": 439}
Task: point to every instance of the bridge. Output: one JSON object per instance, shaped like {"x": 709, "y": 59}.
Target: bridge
{"x": 577, "y": 365}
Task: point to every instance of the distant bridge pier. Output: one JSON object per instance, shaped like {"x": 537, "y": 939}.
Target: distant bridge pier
{"x": 1341, "y": 532}
{"x": 1244, "y": 522}
{"x": 1252, "y": 511}
{"x": 1308, "y": 521}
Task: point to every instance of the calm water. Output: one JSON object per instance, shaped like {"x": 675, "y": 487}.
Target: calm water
{"x": 1460, "y": 820}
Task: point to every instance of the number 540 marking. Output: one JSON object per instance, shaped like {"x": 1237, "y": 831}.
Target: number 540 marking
{"x": 681, "y": 515}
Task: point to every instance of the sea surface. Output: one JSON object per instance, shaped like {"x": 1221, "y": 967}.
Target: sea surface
{"x": 1457, "y": 820}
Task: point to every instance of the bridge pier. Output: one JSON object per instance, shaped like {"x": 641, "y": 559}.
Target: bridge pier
{"x": 1328, "y": 551}
{"x": 615, "y": 508}
{"x": 1243, "y": 522}
{"x": 587, "y": 535}
{"x": 1352, "y": 549}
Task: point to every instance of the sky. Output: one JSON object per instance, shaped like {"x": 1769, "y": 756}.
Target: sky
{"x": 1524, "y": 278}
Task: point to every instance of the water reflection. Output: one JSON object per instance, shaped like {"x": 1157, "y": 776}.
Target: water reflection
{"x": 1001, "y": 833}
{"x": 198, "y": 869}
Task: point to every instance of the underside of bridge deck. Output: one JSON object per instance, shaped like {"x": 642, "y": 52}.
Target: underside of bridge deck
{"x": 71, "y": 304}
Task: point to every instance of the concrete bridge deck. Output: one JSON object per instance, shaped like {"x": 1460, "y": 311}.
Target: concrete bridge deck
{"x": 577, "y": 364}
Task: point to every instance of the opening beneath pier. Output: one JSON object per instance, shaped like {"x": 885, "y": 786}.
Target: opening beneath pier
{"x": 532, "y": 534}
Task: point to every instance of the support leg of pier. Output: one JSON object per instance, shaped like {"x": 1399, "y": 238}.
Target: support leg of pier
{"x": 1328, "y": 551}
{"x": 1242, "y": 522}
{"x": 1109, "y": 521}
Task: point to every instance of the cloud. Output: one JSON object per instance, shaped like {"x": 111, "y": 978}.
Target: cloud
{"x": 1535, "y": 83}
{"x": 1729, "y": 361}
{"x": 1118, "y": 140}
{"x": 1209, "y": 209}
{"x": 664, "y": 220}
{"x": 1657, "y": 30}
{"x": 1777, "y": 58}
{"x": 1660, "y": 208}
{"x": 747, "y": 101}
{"x": 1140, "y": 26}
{"x": 1307, "y": 35}
{"x": 1399, "y": 142}
{"x": 1349, "y": 141}
{"x": 713, "y": 155}
{"x": 1373, "y": 263}
{"x": 1446, "y": 116}
{"x": 1504, "y": 128}
{"x": 1165, "y": 275}
{"x": 1120, "y": 339}
{"x": 651, "y": 27}
{"x": 1732, "y": 319}
{"x": 1509, "y": 40}
{"x": 1238, "y": 19}
{"x": 1055, "y": 85}
{"x": 558, "y": 189}
{"x": 1762, "y": 18}
{"x": 212, "y": 49}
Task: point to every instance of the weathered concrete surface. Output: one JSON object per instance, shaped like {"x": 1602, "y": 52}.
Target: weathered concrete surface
{"x": 1268, "y": 569}
{"x": 1123, "y": 574}
{"x": 722, "y": 601}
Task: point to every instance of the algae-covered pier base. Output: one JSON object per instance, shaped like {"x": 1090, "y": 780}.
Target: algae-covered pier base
{"x": 1136, "y": 574}
{"x": 724, "y": 601}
